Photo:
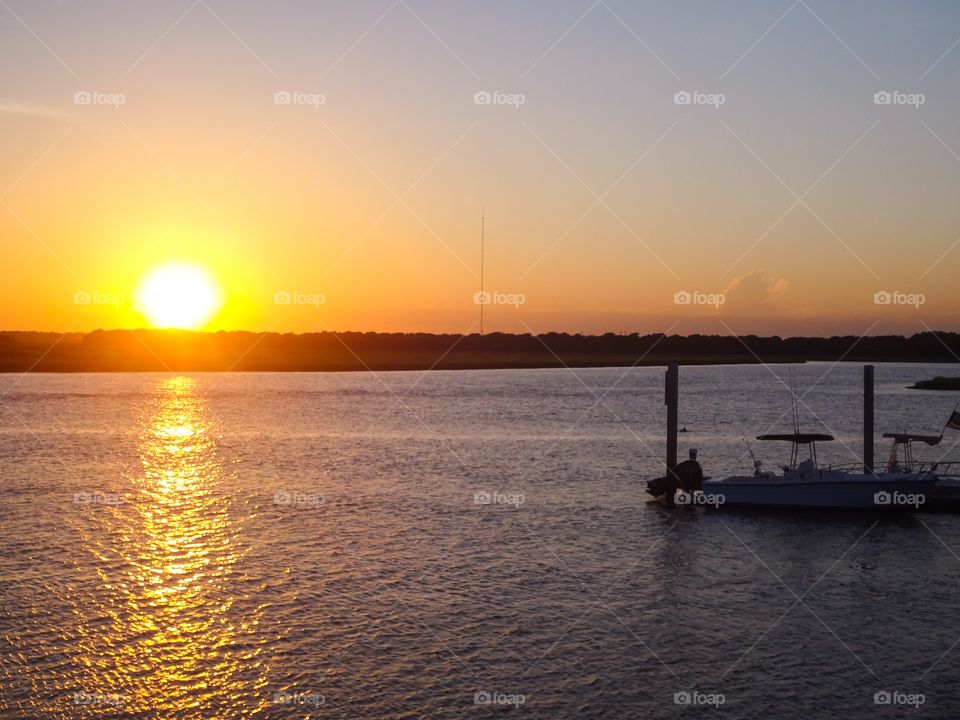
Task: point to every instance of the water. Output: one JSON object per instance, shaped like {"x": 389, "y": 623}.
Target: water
{"x": 303, "y": 545}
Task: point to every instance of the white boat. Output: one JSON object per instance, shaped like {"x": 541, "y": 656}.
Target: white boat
{"x": 901, "y": 485}
{"x": 805, "y": 485}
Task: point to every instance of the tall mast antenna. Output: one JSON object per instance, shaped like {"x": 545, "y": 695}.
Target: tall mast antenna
{"x": 482, "y": 296}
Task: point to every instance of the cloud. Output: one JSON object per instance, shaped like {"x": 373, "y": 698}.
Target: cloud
{"x": 29, "y": 109}
{"x": 756, "y": 293}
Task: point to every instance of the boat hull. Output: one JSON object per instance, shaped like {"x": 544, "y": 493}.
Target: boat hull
{"x": 823, "y": 491}
{"x": 944, "y": 497}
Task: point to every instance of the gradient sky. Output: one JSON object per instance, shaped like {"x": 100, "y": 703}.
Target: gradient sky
{"x": 798, "y": 198}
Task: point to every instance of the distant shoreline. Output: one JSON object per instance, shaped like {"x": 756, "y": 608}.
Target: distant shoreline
{"x": 182, "y": 351}
{"x": 937, "y": 383}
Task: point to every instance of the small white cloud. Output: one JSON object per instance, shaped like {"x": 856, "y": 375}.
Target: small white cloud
{"x": 756, "y": 292}
{"x": 29, "y": 109}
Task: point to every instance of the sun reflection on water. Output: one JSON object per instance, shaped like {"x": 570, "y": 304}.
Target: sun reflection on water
{"x": 175, "y": 645}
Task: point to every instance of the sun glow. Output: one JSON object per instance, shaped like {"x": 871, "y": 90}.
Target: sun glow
{"x": 178, "y": 295}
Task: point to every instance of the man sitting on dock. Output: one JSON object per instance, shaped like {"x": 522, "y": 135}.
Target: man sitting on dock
{"x": 686, "y": 476}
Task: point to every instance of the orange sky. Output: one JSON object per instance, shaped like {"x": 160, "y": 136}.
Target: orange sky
{"x": 799, "y": 200}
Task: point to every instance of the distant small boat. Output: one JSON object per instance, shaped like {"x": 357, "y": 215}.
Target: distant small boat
{"x": 805, "y": 485}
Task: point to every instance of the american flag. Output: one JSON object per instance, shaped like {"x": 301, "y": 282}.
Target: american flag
{"x": 954, "y": 421}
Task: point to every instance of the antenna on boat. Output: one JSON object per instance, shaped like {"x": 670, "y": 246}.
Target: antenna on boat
{"x": 482, "y": 297}
{"x": 793, "y": 393}
{"x": 756, "y": 464}
{"x": 794, "y": 453}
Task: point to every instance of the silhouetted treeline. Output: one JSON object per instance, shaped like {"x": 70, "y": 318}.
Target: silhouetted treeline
{"x": 159, "y": 350}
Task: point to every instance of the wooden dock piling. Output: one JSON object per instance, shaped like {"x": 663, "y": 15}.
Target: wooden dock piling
{"x": 672, "y": 401}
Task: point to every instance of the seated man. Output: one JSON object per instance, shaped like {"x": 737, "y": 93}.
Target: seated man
{"x": 686, "y": 476}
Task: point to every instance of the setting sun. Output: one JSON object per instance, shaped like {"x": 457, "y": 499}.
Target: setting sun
{"x": 178, "y": 295}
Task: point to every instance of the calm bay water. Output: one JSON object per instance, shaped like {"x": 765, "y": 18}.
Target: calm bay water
{"x": 312, "y": 545}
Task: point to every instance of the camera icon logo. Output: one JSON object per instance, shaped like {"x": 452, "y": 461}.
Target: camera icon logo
{"x": 882, "y": 498}
{"x": 282, "y": 297}
{"x": 483, "y": 98}
{"x": 281, "y": 497}
{"x": 83, "y": 97}
{"x": 282, "y": 97}
{"x": 682, "y": 698}
{"x": 82, "y": 297}
{"x": 482, "y": 298}
{"x": 882, "y": 97}
{"x": 482, "y": 697}
{"x": 882, "y": 697}
{"x": 682, "y": 98}
{"x": 882, "y": 297}
{"x": 682, "y": 297}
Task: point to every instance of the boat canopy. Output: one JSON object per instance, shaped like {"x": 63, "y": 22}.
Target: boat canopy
{"x": 798, "y": 438}
{"x": 913, "y": 437}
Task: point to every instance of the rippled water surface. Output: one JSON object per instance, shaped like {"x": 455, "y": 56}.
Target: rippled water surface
{"x": 321, "y": 545}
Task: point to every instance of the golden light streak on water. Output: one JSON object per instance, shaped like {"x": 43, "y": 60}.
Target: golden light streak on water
{"x": 165, "y": 639}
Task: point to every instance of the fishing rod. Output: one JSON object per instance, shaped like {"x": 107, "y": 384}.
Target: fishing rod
{"x": 793, "y": 392}
{"x": 756, "y": 463}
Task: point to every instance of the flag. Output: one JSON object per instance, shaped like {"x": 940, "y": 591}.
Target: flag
{"x": 954, "y": 421}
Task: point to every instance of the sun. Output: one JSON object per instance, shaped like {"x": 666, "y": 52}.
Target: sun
{"x": 178, "y": 295}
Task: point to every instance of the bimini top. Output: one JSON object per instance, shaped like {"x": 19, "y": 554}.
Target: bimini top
{"x": 912, "y": 437}
{"x": 799, "y": 438}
